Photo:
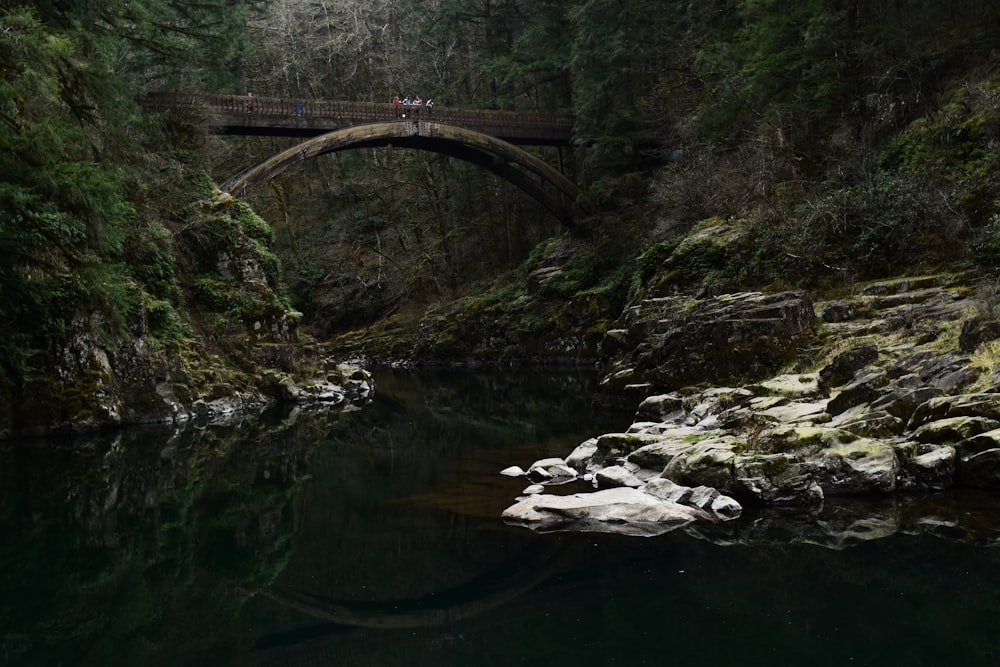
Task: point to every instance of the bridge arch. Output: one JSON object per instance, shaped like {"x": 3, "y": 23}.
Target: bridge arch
{"x": 500, "y": 157}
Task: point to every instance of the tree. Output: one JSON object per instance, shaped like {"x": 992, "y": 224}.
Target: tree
{"x": 73, "y": 163}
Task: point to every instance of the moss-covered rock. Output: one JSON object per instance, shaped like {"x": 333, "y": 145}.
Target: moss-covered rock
{"x": 731, "y": 337}
{"x": 861, "y": 466}
{"x": 954, "y": 429}
{"x": 776, "y": 479}
{"x": 708, "y": 463}
{"x": 804, "y": 438}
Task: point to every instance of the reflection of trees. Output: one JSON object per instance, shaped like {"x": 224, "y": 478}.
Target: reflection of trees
{"x": 519, "y": 407}
{"x": 144, "y": 542}
{"x": 407, "y": 501}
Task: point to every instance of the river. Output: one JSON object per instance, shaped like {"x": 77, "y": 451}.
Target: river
{"x": 371, "y": 536}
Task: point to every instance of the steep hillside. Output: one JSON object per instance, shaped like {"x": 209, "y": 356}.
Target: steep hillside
{"x": 814, "y": 147}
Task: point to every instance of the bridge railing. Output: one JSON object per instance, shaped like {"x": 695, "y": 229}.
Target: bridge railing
{"x": 359, "y": 112}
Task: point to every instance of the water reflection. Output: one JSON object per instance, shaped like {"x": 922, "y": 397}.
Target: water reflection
{"x": 108, "y": 542}
{"x": 373, "y": 537}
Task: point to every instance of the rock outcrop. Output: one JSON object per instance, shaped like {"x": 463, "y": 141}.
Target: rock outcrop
{"x": 895, "y": 410}
{"x": 673, "y": 341}
{"x": 631, "y": 508}
{"x": 154, "y": 366}
{"x": 95, "y": 384}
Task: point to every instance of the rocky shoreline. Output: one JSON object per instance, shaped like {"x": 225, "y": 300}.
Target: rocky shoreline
{"x": 97, "y": 387}
{"x": 902, "y": 405}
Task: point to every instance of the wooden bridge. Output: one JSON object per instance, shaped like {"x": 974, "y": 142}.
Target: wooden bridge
{"x": 488, "y": 139}
{"x": 291, "y": 117}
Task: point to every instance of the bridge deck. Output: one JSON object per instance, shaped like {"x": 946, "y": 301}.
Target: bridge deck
{"x": 273, "y": 116}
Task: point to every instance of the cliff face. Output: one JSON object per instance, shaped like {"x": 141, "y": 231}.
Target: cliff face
{"x": 225, "y": 342}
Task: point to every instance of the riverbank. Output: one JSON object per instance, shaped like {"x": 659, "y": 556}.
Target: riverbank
{"x": 901, "y": 398}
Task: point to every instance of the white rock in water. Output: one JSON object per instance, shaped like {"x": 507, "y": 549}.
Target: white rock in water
{"x": 512, "y": 471}
{"x": 547, "y": 463}
{"x": 726, "y": 507}
{"x": 622, "y": 510}
{"x": 534, "y": 489}
{"x": 616, "y": 476}
{"x": 580, "y": 456}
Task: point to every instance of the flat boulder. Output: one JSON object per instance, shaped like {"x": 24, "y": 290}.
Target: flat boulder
{"x": 869, "y": 422}
{"x": 865, "y": 388}
{"x": 550, "y": 470}
{"x": 846, "y": 364}
{"x": 976, "y": 331}
{"x": 707, "y": 463}
{"x": 621, "y": 510}
{"x": 959, "y": 405}
{"x": 902, "y": 401}
{"x": 791, "y": 413}
{"x": 661, "y": 408}
{"x": 615, "y": 476}
{"x": 953, "y": 429}
{"x": 726, "y": 337}
{"x": 804, "y": 437}
{"x": 860, "y": 467}
{"x": 667, "y": 489}
{"x": 657, "y": 455}
{"x": 925, "y": 467}
{"x": 978, "y": 462}
{"x": 980, "y": 470}
{"x": 581, "y": 455}
{"x": 777, "y": 479}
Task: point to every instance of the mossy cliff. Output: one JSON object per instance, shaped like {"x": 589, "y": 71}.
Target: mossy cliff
{"x": 207, "y": 331}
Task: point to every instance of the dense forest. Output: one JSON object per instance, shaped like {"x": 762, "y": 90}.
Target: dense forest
{"x": 830, "y": 141}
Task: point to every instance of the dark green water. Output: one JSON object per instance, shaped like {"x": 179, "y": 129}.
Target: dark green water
{"x": 372, "y": 537}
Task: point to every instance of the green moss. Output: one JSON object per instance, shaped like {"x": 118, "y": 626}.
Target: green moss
{"x": 214, "y": 292}
{"x": 230, "y": 307}
{"x": 694, "y": 260}
{"x": 164, "y": 321}
{"x": 80, "y": 401}
{"x": 619, "y": 444}
{"x": 254, "y": 226}
{"x": 536, "y": 255}
{"x": 150, "y": 256}
{"x": 577, "y": 274}
{"x": 268, "y": 261}
{"x": 652, "y": 258}
{"x": 793, "y": 437}
{"x": 773, "y": 465}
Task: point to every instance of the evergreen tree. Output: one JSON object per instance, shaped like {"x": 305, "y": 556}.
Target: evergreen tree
{"x": 73, "y": 162}
{"x": 512, "y": 53}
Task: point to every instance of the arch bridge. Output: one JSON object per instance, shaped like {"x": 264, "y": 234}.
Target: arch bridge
{"x": 489, "y": 139}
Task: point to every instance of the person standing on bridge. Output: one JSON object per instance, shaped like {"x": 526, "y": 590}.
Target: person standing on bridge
{"x": 250, "y": 102}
